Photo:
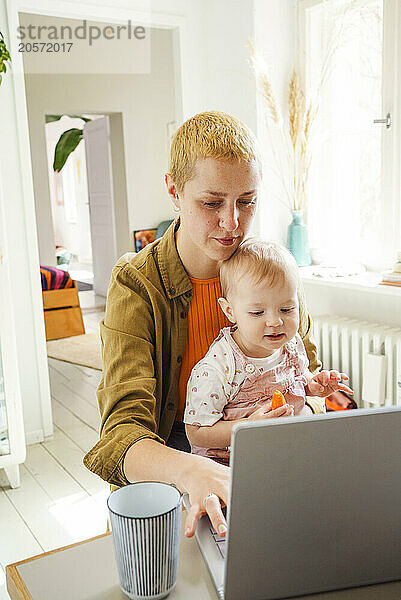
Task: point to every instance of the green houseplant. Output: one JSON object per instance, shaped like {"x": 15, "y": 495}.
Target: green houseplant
{"x": 68, "y": 141}
{"x": 4, "y": 56}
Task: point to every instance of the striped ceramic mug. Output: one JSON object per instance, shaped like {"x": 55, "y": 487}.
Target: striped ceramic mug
{"x": 146, "y": 521}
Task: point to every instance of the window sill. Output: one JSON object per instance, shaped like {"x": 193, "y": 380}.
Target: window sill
{"x": 365, "y": 282}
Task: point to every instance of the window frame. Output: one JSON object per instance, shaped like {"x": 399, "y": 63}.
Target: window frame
{"x": 390, "y": 225}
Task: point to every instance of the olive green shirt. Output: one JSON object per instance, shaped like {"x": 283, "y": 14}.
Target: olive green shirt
{"x": 143, "y": 334}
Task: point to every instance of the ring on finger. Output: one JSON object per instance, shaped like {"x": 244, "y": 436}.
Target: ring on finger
{"x": 212, "y": 495}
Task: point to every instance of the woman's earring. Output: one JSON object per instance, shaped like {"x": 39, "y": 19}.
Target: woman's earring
{"x": 175, "y": 208}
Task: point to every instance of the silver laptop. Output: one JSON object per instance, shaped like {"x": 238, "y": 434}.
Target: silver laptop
{"x": 314, "y": 506}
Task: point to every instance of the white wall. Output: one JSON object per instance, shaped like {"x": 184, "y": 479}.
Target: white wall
{"x": 376, "y": 306}
{"x": 215, "y": 58}
{"x": 276, "y": 41}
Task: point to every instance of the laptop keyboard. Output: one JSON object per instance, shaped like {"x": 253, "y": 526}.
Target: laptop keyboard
{"x": 220, "y": 542}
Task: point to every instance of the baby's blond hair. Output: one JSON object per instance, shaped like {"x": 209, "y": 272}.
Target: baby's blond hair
{"x": 210, "y": 134}
{"x": 261, "y": 261}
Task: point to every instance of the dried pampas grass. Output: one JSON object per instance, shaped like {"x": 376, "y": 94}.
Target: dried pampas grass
{"x": 291, "y": 138}
{"x": 296, "y": 101}
{"x": 290, "y": 144}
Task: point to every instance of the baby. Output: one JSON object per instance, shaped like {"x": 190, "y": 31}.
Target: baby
{"x": 260, "y": 354}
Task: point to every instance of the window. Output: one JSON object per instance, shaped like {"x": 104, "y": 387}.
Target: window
{"x": 348, "y": 63}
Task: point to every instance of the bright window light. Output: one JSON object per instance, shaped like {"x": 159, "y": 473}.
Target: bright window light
{"x": 344, "y": 198}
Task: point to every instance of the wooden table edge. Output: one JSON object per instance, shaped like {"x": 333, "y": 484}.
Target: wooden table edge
{"x": 15, "y": 585}
{"x": 16, "y": 588}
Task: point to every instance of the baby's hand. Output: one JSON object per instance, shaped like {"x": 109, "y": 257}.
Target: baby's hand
{"x": 326, "y": 382}
{"x": 266, "y": 412}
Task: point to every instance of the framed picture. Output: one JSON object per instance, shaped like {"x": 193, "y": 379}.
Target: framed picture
{"x": 143, "y": 237}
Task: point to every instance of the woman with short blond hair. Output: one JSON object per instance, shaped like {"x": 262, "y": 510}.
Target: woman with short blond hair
{"x": 162, "y": 315}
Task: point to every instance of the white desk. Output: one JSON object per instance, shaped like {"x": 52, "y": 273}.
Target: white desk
{"x": 87, "y": 571}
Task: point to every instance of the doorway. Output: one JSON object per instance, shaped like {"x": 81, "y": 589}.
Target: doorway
{"x": 70, "y": 201}
{"x": 88, "y": 197}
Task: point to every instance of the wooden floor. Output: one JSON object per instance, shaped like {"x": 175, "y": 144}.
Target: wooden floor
{"x": 59, "y": 501}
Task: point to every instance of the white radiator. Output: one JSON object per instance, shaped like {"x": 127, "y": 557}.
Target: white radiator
{"x": 368, "y": 353}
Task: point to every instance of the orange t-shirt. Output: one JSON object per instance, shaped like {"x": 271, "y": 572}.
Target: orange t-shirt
{"x": 205, "y": 319}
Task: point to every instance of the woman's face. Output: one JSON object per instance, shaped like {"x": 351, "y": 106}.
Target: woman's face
{"x": 216, "y": 209}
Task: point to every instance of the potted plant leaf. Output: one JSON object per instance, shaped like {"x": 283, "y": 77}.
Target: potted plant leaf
{"x": 68, "y": 141}
{"x": 4, "y": 56}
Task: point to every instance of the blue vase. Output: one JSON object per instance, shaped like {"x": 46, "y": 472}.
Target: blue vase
{"x": 297, "y": 241}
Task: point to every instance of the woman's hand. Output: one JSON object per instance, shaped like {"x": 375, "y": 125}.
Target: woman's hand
{"x": 266, "y": 412}
{"x": 205, "y": 478}
{"x": 326, "y": 382}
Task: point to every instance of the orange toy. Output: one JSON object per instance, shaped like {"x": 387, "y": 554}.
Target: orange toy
{"x": 278, "y": 400}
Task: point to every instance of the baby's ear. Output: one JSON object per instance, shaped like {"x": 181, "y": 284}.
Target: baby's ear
{"x": 227, "y": 309}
